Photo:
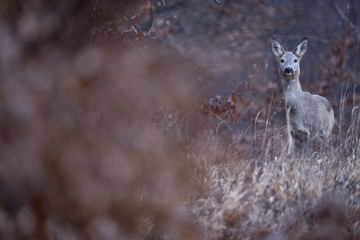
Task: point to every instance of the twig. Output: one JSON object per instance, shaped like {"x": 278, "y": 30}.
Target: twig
{"x": 168, "y": 6}
{"x": 290, "y": 140}
{"x": 343, "y": 16}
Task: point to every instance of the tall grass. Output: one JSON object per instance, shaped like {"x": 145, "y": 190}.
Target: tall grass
{"x": 271, "y": 195}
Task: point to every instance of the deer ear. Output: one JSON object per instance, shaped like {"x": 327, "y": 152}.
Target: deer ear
{"x": 301, "y": 48}
{"x": 276, "y": 48}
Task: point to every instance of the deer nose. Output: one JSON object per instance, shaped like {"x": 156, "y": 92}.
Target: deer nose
{"x": 288, "y": 70}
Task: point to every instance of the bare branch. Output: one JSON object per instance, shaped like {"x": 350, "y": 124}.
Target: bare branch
{"x": 343, "y": 16}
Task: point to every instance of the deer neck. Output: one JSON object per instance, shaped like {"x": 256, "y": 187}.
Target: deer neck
{"x": 291, "y": 88}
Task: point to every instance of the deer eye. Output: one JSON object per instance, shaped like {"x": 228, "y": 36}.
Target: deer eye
{"x": 295, "y": 60}
{"x": 282, "y": 60}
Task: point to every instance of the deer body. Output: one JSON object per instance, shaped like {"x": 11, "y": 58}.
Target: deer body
{"x": 310, "y": 117}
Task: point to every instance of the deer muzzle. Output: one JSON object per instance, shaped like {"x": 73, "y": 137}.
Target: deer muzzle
{"x": 288, "y": 71}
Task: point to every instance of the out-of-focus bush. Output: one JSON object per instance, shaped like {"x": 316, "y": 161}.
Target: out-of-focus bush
{"x": 81, "y": 155}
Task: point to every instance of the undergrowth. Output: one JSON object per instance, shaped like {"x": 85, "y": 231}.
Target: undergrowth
{"x": 270, "y": 195}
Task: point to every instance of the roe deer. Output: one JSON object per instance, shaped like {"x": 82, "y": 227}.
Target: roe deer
{"x": 308, "y": 117}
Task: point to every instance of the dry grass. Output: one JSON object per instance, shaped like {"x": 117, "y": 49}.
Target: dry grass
{"x": 273, "y": 196}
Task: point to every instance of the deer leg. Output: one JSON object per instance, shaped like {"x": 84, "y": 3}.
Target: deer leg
{"x": 302, "y": 140}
